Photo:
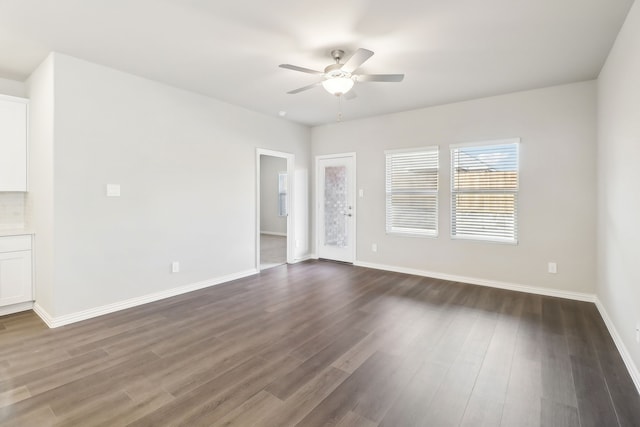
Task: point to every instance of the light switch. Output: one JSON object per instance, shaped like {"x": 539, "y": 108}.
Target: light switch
{"x": 361, "y": 193}
{"x": 113, "y": 190}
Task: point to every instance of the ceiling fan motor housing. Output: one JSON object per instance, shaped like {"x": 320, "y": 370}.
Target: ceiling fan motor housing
{"x": 337, "y": 54}
{"x": 334, "y": 71}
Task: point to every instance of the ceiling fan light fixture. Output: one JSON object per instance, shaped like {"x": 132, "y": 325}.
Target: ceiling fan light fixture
{"x": 337, "y": 85}
{"x": 338, "y": 78}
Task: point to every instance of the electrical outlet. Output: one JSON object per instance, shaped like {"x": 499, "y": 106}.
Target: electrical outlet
{"x": 175, "y": 267}
{"x": 113, "y": 190}
{"x": 374, "y": 247}
{"x": 552, "y": 268}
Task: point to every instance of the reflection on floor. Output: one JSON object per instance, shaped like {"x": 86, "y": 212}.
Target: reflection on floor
{"x": 273, "y": 251}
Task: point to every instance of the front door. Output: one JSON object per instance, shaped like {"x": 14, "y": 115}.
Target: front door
{"x": 336, "y": 207}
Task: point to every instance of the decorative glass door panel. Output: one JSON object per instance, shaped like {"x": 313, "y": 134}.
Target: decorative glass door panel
{"x": 336, "y": 208}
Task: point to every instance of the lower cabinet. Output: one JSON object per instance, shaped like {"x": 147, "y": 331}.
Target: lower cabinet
{"x": 15, "y": 270}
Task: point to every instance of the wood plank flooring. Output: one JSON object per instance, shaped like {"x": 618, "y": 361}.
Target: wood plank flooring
{"x": 273, "y": 250}
{"x": 321, "y": 343}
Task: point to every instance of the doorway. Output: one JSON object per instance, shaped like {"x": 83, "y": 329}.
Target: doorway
{"x": 274, "y": 219}
{"x": 335, "y": 192}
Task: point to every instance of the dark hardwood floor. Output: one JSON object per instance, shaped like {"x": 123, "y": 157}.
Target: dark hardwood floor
{"x": 317, "y": 344}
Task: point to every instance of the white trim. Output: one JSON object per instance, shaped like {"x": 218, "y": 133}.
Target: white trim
{"x": 274, "y": 233}
{"x": 318, "y": 200}
{"x": 622, "y": 349}
{"x": 16, "y": 308}
{"x": 422, "y": 149}
{"x": 335, "y": 156}
{"x": 412, "y": 234}
{"x": 482, "y": 239}
{"x": 501, "y": 141}
{"x": 291, "y": 238}
{"x": 578, "y": 296}
{"x": 453, "y": 192}
{"x": 303, "y": 258}
{"x": 12, "y": 98}
{"x": 46, "y": 317}
{"x": 390, "y": 157}
{"x": 54, "y": 322}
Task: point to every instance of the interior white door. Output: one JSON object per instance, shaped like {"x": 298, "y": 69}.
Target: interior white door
{"x": 336, "y": 207}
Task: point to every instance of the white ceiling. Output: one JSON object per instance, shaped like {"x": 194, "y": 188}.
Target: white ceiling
{"x": 449, "y": 50}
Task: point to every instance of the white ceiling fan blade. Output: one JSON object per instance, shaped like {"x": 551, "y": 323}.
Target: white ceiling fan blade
{"x": 303, "y": 88}
{"x": 356, "y": 60}
{"x": 380, "y": 77}
{"x": 296, "y": 68}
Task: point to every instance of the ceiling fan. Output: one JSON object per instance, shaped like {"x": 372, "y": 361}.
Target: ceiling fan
{"x": 338, "y": 79}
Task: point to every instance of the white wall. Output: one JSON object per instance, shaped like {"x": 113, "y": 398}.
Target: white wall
{"x": 11, "y": 210}
{"x": 301, "y": 211}
{"x": 186, "y": 166}
{"x": 270, "y": 220}
{"x": 556, "y": 202}
{"x": 39, "y": 200}
{"x": 618, "y": 184}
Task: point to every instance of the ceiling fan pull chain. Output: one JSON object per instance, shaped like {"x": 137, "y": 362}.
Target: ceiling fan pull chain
{"x": 339, "y": 108}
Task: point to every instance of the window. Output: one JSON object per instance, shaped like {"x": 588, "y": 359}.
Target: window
{"x": 484, "y": 191}
{"x": 282, "y": 194}
{"x": 412, "y": 191}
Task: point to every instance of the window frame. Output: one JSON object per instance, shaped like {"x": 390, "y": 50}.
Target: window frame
{"x": 413, "y": 232}
{"x": 516, "y": 192}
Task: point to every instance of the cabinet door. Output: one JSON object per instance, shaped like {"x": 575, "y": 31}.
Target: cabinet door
{"x": 13, "y": 144}
{"x": 15, "y": 277}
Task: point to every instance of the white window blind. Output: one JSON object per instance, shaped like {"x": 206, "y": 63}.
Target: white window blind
{"x": 282, "y": 194}
{"x": 484, "y": 191}
{"x": 412, "y": 191}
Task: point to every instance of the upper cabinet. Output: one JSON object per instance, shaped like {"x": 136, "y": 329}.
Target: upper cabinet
{"x": 13, "y": 143}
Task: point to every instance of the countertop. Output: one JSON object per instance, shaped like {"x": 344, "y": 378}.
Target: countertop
{"x": 14, "y": 231}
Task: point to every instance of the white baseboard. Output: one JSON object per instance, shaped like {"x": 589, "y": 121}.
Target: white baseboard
{"x": 303, "y": 258}
{"x": 16, "y": 308}
{"x": 46, "y": 317}
{"x": 579, "y": 296}
{"x": 622, "y": 349}
{"x": 274, "y": 233}
{"x": 54, "y": 322}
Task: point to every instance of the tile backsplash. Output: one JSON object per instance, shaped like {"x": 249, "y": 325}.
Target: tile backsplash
{"x": 12, "y": 212}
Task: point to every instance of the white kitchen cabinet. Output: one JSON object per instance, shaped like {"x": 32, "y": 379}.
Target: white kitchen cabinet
{"x": 15, "y": 270}
{"x": 13, "y": 143}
